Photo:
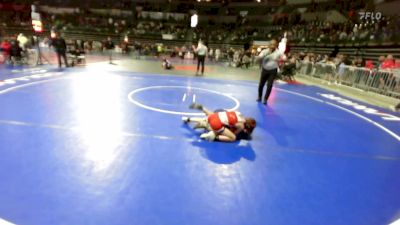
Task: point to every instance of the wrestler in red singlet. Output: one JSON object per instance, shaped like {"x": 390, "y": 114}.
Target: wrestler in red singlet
{"x": 219, "y": 120}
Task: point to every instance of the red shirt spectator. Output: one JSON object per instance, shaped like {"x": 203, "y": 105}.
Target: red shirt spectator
{"x": 397, "y": 64}
{"x": 5, "y": 46}
{"x": 369, "y": 64}
{"x": 388, "y": 64}
{"x": 5, "y": 50}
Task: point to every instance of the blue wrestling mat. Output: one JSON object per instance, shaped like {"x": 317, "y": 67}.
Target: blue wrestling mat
{"x": 85, "y": 146}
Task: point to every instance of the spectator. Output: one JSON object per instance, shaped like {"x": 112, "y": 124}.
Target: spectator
{"x": 330, "y": 70}
{"x": 343, "y": 35}
{"x": 369, "y": 64}
{"x": 288, "y": 69}
{"x": 381, "y": 60}
{"x": 246, "y": 60}
{"x": 60, "y": 48}
{"x": 75, "y": 55}
{"x": 109, "y": 45}
{"x": 5, "y": 47}
{"x": 397, "y": 64}
{"x": 125, "y": 47}
{"x": 23, "y": 41}
{"x": 217, "y": 54}
{"x": 184, "y": 52}
{"x": 138, "y": 49}
{"x": 344, "y": 61}
{"x": 211, "y": 54}
{"x": 88, "y": 46}
{"x": 166, "y": 64}
{"x": 388, "y": 63}
{"x": 159, "y": 50}
{"x": 236, "y": 59}
{"x": 15, "y": 52}
{"x": 231, "y": 52}
{"x": 324, "y": 60}
{"x": 359, "y": 62}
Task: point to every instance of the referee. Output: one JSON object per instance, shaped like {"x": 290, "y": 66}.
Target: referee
{"x": 270, "y": 58}
{"x": 201, "y": 51}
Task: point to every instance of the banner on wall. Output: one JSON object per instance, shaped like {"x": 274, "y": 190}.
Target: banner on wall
{"x": 168, "y": 37}
{"x": 261, "y": 43}
{"x": 329, "y": 16}
{"x": 58, "y": 10}
{"x": 161, "y": 15}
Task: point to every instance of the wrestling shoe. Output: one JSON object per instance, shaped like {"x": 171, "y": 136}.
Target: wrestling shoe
{"x": 185, "y": 119}
{"x": 196, "y": 106}
{"x": 210, "y": 136}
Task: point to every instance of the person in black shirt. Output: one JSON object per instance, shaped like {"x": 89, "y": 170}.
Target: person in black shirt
{"x": 61, "y": 48}
{"x": 288, "y": 69}
{"x": 109, "y": 45}
{"x": 166, "y": 64}
{"x": 15, "y": 52}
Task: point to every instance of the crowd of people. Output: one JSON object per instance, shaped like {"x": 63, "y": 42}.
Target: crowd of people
{"x": 236, "y": 57}
{"x": 384, "y": 63}
{"x": 284, "y": 67}
{"x": 385, "y": 30}
{"x": 13, "y": 49}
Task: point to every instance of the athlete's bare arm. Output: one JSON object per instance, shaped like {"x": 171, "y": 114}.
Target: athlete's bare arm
{"x": 239, "y": 128}
{"x": 226, "y": 136}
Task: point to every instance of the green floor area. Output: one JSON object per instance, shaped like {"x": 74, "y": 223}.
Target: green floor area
{"x": 222, "y": 71}
{"x": 216, "y": 71}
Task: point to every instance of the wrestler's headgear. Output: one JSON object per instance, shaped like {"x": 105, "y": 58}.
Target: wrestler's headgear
{"x": 249, "y": 125}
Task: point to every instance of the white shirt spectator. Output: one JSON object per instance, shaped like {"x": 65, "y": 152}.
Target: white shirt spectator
{"x": 217, "y": 52}
{"x": 23, "y": 40}
{"x": 343, "y": 35}
{"x": 211, "y": 52}
{"x": 236, "y": 56}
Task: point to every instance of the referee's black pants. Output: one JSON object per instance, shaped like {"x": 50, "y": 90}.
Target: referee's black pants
{"x": 200, "y": 60}
{"x": 266, "y": 75}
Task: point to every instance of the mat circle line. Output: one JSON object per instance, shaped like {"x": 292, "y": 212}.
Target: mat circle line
{"x": 132, "y": 100}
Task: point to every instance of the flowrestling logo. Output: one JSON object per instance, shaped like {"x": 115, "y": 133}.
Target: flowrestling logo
{"x": 370, "y": 16}
{"x": 365, "y": 109}
{"x": 12, "y": 81}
